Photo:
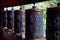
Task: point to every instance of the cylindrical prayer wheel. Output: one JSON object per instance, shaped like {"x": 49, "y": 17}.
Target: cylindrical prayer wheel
{"x": 20, "y": 21}
{"x": 10, "y": 18}
{"x": 53, "y": 24}
{"x": 34, "y": 22}
{"x": 5, "y": 18}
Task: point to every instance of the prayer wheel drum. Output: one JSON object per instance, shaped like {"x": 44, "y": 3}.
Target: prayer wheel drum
{"x": 5, "y": 18}
{"x": 19, "y": 21}
{"x": 10, "y": 18}
{"x": 34, "y": 19}
{"x": 53, "y": 24}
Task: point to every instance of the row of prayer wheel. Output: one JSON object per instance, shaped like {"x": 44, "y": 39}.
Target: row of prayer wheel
{"x": 25, "y": 22}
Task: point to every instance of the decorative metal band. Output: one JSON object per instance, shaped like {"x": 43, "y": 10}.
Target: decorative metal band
{"x": 37, "y": 10}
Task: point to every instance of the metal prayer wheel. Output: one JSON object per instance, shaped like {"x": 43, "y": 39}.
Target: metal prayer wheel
{"x": 53, "y": 24}
{"x": 34, "y": 22}
{"x": 5, "y": 18}
{"x": 10, "y": 17}
{"x": 19, "y": 21}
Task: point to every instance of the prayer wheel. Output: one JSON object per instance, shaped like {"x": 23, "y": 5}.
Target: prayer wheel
{"x": 5, "y": 18}
{"x": 19, "y": 21}
{"x": 34, "y": 22}
{"x": 10, "y": 18}
{"x": 53, "y": 24}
